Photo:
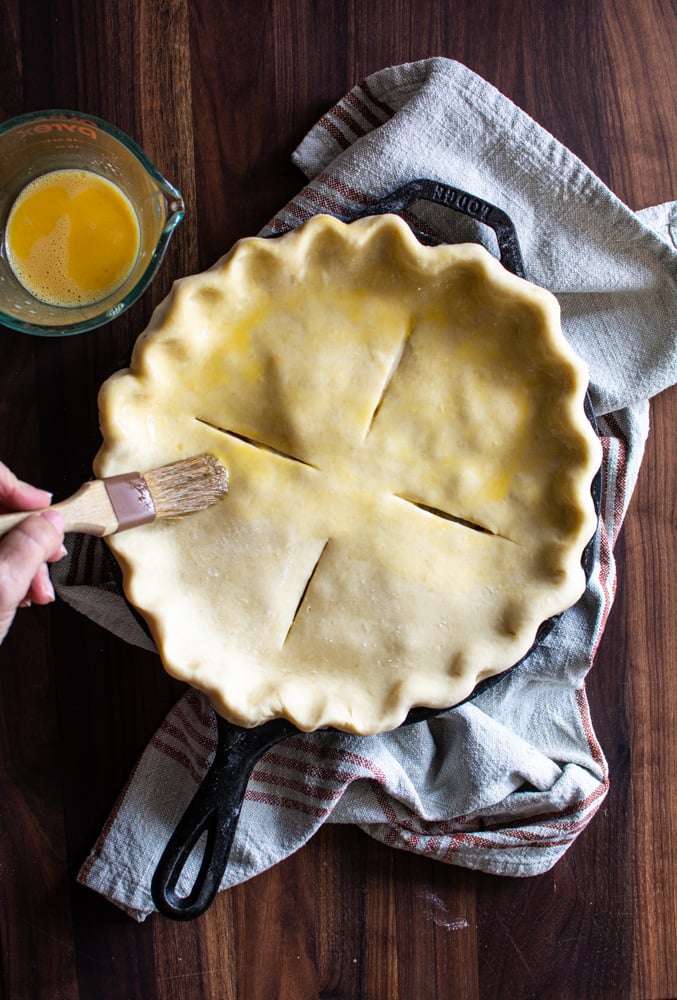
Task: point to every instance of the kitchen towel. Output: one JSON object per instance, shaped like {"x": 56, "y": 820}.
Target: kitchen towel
{"x": 506, "y": 782}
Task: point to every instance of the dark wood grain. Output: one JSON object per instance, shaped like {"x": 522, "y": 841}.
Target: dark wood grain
{"x": 652, "y": 654}
{"x": 219, "y": 95}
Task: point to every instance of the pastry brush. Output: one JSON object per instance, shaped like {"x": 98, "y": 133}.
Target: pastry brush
{"x": 106, "y": 506}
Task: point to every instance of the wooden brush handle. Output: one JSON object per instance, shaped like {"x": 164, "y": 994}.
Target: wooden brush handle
{"x": 89, "y": 512}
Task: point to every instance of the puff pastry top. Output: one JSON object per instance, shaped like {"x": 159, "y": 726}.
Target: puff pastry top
{"x": 410, "y": 469}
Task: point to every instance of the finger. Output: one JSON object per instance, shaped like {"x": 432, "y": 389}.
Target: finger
{"x": 22, "y": 552}
{"x": 41, "y": 589}
{"x": 17, "y": 495}
{"x": 58, "y": 554}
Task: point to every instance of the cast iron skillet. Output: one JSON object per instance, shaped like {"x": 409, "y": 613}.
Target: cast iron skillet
{"x": 215, "y": 808}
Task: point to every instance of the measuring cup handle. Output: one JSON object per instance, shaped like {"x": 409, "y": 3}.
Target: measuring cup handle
{"x": 214, "y": 811}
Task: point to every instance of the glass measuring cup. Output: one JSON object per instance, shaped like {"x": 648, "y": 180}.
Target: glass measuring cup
{"x": 38, "y": 143}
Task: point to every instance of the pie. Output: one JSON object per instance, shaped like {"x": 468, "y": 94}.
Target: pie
{"x": 410, "y": 474}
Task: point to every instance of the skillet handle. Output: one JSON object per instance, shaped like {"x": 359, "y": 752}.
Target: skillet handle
{"x": 459, "y": 201}
{"x": 214, "y": 810}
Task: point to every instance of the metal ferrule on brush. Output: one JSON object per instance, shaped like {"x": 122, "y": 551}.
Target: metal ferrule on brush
{"x": 130, "y": 499}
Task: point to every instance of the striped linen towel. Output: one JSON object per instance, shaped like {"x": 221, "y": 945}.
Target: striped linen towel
{"x": 504, "y": 783}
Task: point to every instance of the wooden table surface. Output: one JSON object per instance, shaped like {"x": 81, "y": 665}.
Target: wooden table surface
{"x": 219, "y": 94}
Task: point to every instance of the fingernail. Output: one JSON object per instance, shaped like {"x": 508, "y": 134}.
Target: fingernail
{"x": 37, "y": 489}
{"x": 63, "y": 551}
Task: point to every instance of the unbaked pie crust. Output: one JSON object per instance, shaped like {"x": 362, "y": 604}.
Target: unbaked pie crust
{"x": 410, "y": 467}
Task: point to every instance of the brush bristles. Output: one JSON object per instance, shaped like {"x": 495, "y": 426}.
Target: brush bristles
{"x": 187, "y": 486}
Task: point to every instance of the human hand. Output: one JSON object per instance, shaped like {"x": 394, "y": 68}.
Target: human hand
{"x": 27, "y": 548}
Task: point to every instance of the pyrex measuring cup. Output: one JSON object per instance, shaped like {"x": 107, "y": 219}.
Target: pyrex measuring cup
{"x": 35, "y": 144}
